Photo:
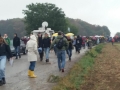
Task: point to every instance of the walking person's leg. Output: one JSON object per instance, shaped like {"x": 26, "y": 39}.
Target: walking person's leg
{"x": 16, "y": 53}
{"x": 70, "y": 54}
{"x": 31, "y": 68}
{"x": 63, "y": 60}
{"x": 59, "y": 60}
{"x": 41, "y": 55}
{"x": 2, "y": 70}
{"x": 45, "y": 50}
{"x": 18, "y": 50}
{"x": 47, "y": 54}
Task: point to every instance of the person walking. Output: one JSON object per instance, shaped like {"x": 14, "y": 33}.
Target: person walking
{"x": 78, "y": 43}
{"x": 74, "y": 43}
{"x": 61, "y": 45}
{"x": 16, "y": 44}
{"x": 25, "y": 39}
{"x": 46, "y": 46}
{"x": 4, "y": 51}
{"x": 112, "y": 41}
{"x": 54, "y": 46}
{"x": 31, "y": 47}
{"x": 7, "y": 40}
{"x": 70, "y": 47}
{"x": 40, "y": 46}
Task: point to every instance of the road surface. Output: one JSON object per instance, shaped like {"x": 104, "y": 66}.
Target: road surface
{"x": 17, "y": 78}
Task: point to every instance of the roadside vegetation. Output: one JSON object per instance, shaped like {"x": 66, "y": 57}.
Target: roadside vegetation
{"x": 106, "y": 72}
{"x": 80, "y": 70}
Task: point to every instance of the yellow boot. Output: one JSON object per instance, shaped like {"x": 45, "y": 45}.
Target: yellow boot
{"x": 32, "y": 75}
{"x": 29, "y": 72}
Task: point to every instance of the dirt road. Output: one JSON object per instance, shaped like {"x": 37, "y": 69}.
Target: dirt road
{"x": 17, "y": 78}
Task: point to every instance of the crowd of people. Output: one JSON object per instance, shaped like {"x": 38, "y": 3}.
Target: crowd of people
{"x": 39, "y": 45}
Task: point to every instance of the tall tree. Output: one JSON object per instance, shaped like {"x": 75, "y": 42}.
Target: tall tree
{"x": 40, "y": 12}
{"x": 118, "y": 34}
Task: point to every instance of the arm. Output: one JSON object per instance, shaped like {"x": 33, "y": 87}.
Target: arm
{"x": 52, "y": 44}
{"x": 9, "y": 41}
{"x": 8, "y": 51}
{"x": 19, "y": 41}
{"x": 66, "y": 44}
{"x": 35, "y": 48}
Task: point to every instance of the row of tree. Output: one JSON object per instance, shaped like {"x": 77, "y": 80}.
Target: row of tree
{"x": 37, "y": 13}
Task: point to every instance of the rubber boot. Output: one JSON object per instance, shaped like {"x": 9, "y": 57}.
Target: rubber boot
{"x": 29, "y": 72}
{"x": 32, "y": 75}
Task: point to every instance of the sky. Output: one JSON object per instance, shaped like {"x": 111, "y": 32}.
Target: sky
{"x": 98, "y": 12}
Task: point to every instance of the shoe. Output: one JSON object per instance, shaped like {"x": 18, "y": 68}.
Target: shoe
{"x": 4, "y": 81}
{"x": 32, "y": 75}
{"x": 41, "y": 59}
{"x": 47, "y": 60}
{"x": 62, "y": 70}
{"x": 20, "y": 56}
{"x": 29, "y": 72}
{"x": 69, "y": 58}
{"x": 16, "y": 58}
{"x": 1, "y": 82}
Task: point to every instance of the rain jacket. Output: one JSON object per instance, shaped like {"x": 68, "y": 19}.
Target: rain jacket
{"x": 32, "y": 48}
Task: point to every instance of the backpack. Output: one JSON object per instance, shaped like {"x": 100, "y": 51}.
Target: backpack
{"x": 77, "y": 41}
{"x": 59, "y": 45}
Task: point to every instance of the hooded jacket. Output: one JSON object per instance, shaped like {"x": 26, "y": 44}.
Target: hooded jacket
{"x": 46, "y": 42}
{"x": 5, "y": 50}
{"x": 65, "y": 46}
{"x": 16, "y": 41}
{"x": 32, "y": 48}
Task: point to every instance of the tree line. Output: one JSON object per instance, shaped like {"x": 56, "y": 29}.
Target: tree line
{"x": 37, "y": 13}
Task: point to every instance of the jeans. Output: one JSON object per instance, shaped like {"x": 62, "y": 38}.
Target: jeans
{"x": 32, "y": 65}
{"x": 17, "y": 51}
{"x": 2, "y": 66}
{"x": 70, "y": 53}
{"x": 55, "y": 50}
{"x": 61, "y": 59}
{"x": 47, "y": 52}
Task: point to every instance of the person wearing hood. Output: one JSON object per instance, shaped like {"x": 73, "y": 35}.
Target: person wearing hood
{"x": 4, "y": 51}
{"x": 78, "y": 43}
{"x": 31, "y": 47}
{"x": 16, "y": 44}
{"x": 61, "y": 45}
{"x": 46, "y": 46}
{"x": 7, "y": 40}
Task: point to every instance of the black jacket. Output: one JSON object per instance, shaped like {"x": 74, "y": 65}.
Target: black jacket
{"x": 5, "y": 50}
{"x": 40, "y": 42}
{"x": 16, "y": 41}
{"x": 78, "y": 42}
{"x": 70, "y": 44}
{"x": 46, "y": 42}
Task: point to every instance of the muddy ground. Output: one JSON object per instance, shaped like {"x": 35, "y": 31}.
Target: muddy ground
{"x": 17, "y": 78}
{"x": 106, "y": 72}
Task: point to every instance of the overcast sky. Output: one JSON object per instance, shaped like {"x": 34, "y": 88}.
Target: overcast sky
{"x": 99, "y": 12}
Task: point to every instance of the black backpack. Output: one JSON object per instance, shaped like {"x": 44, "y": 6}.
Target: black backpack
{"x": 77, "y": 41}
{"x": 60, "y": 44}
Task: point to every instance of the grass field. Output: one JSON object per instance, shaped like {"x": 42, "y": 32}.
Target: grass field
{"x": 106, "y": 72}
{"x": 80, "y": 71}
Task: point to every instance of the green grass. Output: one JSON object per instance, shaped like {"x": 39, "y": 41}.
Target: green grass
{"x": 76, "y": 75}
